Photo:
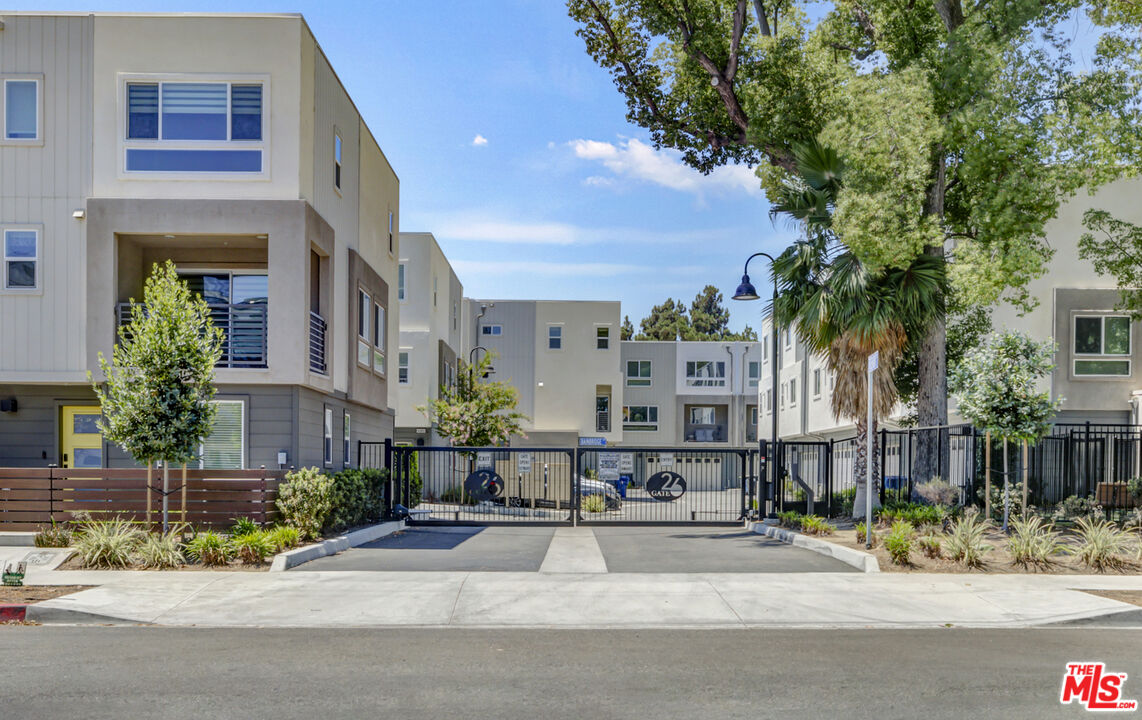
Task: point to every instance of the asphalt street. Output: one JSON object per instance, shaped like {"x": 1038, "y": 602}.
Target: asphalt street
{"x": 129, "y": 672}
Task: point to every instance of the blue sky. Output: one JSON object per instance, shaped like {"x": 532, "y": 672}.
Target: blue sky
{"x": 512, "y": 147}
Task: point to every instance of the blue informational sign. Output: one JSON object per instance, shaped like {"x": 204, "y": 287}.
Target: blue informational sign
{"x": 592, "y": 441}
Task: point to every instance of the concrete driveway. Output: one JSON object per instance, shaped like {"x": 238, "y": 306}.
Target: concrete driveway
{"x": 634, "y": 549}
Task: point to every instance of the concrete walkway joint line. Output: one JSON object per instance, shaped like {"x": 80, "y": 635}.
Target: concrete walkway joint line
{"x": 573, "y": 550}
{"x": 860, "y": 560}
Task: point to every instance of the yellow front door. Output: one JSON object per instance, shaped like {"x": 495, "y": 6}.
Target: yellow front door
{"x": 81, "y": 445}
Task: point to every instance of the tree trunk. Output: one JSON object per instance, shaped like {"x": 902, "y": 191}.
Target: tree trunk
{"x": 932, "y": 397}
{"x": 166, "y": 498}
{"x": 860, "y": 467}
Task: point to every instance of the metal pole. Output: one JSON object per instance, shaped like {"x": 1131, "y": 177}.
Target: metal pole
{"x": 870, "y": 437}
{"x": 987, "y": 474}
{"x": 1025, "y": 479}
{"x": 773, "y": 478}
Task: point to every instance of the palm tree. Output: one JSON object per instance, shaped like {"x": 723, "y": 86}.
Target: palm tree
{"x": 842, "y": 309}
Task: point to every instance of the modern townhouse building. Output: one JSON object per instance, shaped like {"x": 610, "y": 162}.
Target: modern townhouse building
{"x": 562, "y": 357}
{"x": 431, "y": 300}
{"x": 683, "y": 394}
{"x": 226, "y": 144}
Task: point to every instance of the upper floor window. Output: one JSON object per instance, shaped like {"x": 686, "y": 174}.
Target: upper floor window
{"x": 492, "y": 330}
{"x": 400, "y": 282}
{"x": 345, "y": 442}
{"x": 638, "y": 373}
{"x": 702, "y": 415}
{"x": 380, "y": 331}
{"x": 753, "y": 414}
{"x": 602, "y": 338}
{"x": 817, "y": 383}
{"x": 455, "y": 314}
{"x": 554, "y": 337}
{"x": 434, "y": 284}
{"x": 754, "y": 372}
{"x": 22, "y": 109}
{"x": 1102, "y": 345}
{"x": 337, "y": 160}
{"x": 402, "y": 367}
{"x": 194, "y": 127}
{"x": 21, "y": 259}
{"x": 788, "y": 337}
{"x": 792, "y": 392}
{"x": 765, "y": 348}
{"x": 364, "y": 347}
{"x": 705, "y": 373}
{"x": 640, "y": 418}
{"x": 391, "y": 241}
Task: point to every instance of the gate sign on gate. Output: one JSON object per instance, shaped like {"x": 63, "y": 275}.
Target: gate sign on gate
{"x": 626, "y": 463}
{"x": 666, "y": 460}
{"x": 483, "y": 460}
{"x": 523, "y": 462}
{"x": 609, "y": 467}
{"x": 666, "y": 486}
{"x": 484, "y": 485}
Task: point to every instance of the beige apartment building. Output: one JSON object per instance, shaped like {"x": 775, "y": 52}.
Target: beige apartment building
{"x": 240, "y": 157}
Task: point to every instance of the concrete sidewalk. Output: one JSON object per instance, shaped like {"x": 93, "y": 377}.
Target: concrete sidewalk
{"x": 578, "y": 599}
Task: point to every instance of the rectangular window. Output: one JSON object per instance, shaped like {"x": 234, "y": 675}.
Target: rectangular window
{"x": 337, "y": 160}
{"x": 455, "y": 314}
{"x": 224, "y": 448}
{"x": 21, "y": 259}
{"x": 702, "y": 415}
{"x": 364, "y": 346}
{"x": 328, "y": 436}
{"x": 391, "y": 250}
{"x": 784, "y": 387}
{"x": 1102, "y": 345}
{"x": 492, "y": 330}
{"x": 792, "y": 392}
{"x": 402, "y": 367}
{"x": 345, "y": 441}
{"x": 817, "y": 383}
{"x": 753, "y": 415}
{"x": 638, "y": 373}
{"x": 434, "y": 285}
{"x": 765, "y": 348}
{"x": 753, "y": 372}
{"x": 768, "y": 400}
{"x": 640, "y": 418}
{"x": 194, "y": 127}
{"x": 380, "y": 332}
{"x": 22, "y": 109}
{"x": 705, "y": 373}
{"x": 788, "y": 337}
{"x": 602, "y": 338}
{"x": 400, "y": 282}
{"x": 554, "y": 337}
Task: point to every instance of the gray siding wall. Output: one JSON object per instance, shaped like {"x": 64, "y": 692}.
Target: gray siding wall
{"x": 28, "y": 437}
{"x": 1092, "y": 398}
{"x": 365, "y": 425}
{"x": 661, "y": 393}
{"x": 516, "y": 347}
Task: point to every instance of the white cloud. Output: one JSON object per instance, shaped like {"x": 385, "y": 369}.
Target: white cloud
{"x": 479, "y": 141}
{"x": 637, "y": 160}
{"x": 598, "y": 181}
{"x": 474, "y": 227}
{"x": 501, "y": 231}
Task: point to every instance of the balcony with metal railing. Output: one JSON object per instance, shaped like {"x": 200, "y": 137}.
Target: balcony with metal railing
{"x": 318, "y": 344}
{"x": 244, "y": 331}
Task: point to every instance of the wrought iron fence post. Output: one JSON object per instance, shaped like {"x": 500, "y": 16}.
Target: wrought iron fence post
{"x": 829, "y": 473}
{"x": 908, "y": 451}
{"x": 870, "y": 469}
{"x": 1086, "y": 459}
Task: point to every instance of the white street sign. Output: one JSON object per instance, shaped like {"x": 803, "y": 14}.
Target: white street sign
{"x": 609, "y": 466}
{"x": 483, "y": 460}
{"x": 626, "y": 463}
{"x": 666, "y": 460}
{"x": 523, "y": 462}
{"x": 874, "y": 361}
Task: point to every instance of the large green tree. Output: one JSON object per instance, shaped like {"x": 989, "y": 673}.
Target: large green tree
{"x": 1115, "y": 248}
{"x": 666, "y": 321}
{"x": 160, "y": 379}
{"x": 964, "y": 125}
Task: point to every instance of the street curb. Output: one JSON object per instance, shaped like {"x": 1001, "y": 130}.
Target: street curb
{"x": 860, "y": 560}
{"x": 10, "y": 612}
{"x": 17, "y": 539}
{"x": 332, "y": 546}
{"x": 48, "y": 615}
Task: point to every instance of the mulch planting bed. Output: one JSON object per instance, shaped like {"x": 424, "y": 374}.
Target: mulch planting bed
{"x": 74, "y": 563}
{"x": 36, "y": 593}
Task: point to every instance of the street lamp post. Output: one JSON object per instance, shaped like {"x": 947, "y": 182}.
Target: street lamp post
{"x": 472, "y": 359}
{"x": 746, "y": 291}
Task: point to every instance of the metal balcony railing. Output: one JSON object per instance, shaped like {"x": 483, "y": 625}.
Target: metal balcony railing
{"x": 317, "y": 328}
{"x": 602, "y": 421}
{"x": 244, "y": 330}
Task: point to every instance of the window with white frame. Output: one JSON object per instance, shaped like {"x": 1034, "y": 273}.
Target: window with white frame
{"x": 753, "y": 372}
{"x": 225, "y": 447}
{"x": 194, "y": 126}
{"x": 455, "y": 314}
{"x": 337, "y": 149}
{"x": 345, "y": 441}
{"x": 768, "y": 400}
{"x": 702, "y": 415}
{"x": 364, "y": 346}
{"x": 400, "y": 282}
{"x": 765, "y": 348}
{"x": 328, "y": 454}
{"x": 380, "y": 338}
{"x": 640, "y": 418}
{"x": 402, "y": 367}
{"x": 788, "y": 337}
{"x": 753, "y": 415}
{"x": 492, "y": 330}
{"x": 638, "y": 373}
{"x": 21, "y": 259}
{"x": 1101, "y": 345}
{"x": 391, "y": 234}
{"x": 784, "y": 387}
{"x": 602, "y": 338}
{"x": 705, "y": 373}
{"x": 22, "y": 122}
{"x": 433, "y": 291}
{"x": 554, "y": 337}
{"x": 792, "y": 392}
{"x": 817, "y": 383}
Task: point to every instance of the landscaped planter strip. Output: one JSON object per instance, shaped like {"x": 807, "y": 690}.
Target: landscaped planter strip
{"x": 860, "y": 560}
{"x": 332, "y": 546}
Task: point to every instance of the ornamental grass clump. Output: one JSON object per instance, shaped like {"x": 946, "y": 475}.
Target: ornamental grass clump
{"x": 283, "y": 537}
{"x": 816, "y": 525}
{"x": 1033, "y": 542}
{"x": 862, "y": 532}
{"x": 158, "y": 551}
{"x": 593, "y": 503}
{"x": 53, "y": 536}
{"x": 931, "y": 546}
{"x": 107, "y": 543}
{"x": 210, "y": 549}
{"x": 899, "y": 542}
{"x": 966, "y": 541}
{"x": 1101, "y": 543}
{"x": 244, "y": 526}
{"x": 253, "y": 548}
{"x": 305, "y": 500}
{"x": 789, "y": 519}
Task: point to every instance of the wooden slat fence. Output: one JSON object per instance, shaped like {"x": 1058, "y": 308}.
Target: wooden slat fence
{"x": 32, "y": 497}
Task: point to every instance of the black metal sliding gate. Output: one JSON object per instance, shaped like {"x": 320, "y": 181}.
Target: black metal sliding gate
{"x": 580, "y": 486}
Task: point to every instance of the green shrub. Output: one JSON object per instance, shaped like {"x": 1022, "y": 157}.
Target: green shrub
{"x": 1014, "y": 494}
{"x": 415, "y": 481}
{"x": 284, "y": 537}
{"x": 305, "y": 500}
{"x": 107, "y": 543}
{"x": 53, "y": 536}
{"x": 243, "y": 526}
{"x": 899, "y": 541}
{"x": 357, "y": 498}
{"x": 862, "y": 532}
{"x": 1033, "y": 542}
{"x": 789, "y": 519}
{"x": 845, "y": 499}
{"x": 966, "y": 541}
{"x": 1076, "y": 507}
{"x": 1101, "y": 543}
{"x": 1133, "y": 519}
{"x": 593, "y": 503}
{"x": 937, "y": 492}
{"x": 1134, "y": 487}
{"x": 210, "y": 548}
{"x": 160, "y": 552}
{"x": 915, "y": 514}
{"x": 931, "y": 547}
{"x": 815, "y": 525}
{"x": 253, "y": 548}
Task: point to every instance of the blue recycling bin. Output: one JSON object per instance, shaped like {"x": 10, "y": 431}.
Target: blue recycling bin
{"x": 624, "y": 480}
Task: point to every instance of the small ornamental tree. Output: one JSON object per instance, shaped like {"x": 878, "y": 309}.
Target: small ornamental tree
{"x": 160, "y": 380}
{"x": 996, "y": 387}
{"x": 475, "y": 413}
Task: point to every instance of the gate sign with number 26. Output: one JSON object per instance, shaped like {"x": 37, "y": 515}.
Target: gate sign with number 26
{"x": 666, "y": 486}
